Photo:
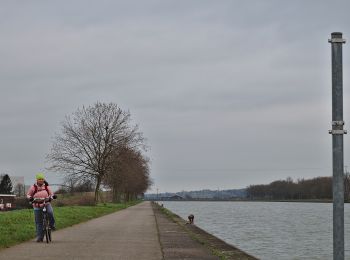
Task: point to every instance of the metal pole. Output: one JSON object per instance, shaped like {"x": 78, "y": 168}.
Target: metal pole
{"x": 338, "y": 147}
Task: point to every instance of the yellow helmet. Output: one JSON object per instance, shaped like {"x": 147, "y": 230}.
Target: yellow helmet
{"x": 40, "y": 176}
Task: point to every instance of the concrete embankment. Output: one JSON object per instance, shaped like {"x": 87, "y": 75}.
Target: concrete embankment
{"x": 180, "y": 240}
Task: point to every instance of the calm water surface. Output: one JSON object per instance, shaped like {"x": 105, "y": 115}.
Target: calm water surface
{"x": 269, "y": 230}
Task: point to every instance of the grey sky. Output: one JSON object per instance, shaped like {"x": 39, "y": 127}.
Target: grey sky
{"x": 228, "y": 93}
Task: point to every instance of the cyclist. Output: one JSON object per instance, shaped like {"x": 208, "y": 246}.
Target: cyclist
{"x": 41, "y": 189}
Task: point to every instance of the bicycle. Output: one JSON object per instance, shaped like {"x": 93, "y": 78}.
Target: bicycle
{"x": 45, "y": 217}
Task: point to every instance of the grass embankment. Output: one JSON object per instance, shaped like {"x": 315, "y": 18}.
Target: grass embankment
{"x": 18, "y": 226}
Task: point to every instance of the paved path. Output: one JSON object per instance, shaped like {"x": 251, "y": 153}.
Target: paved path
{"x": 127, "y": 234}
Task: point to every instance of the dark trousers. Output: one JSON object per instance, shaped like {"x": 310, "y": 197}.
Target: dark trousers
{"x": 38, "y": 215}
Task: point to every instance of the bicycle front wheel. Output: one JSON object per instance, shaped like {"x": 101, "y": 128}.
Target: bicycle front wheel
{"x": 47, "y": 231}
{"x": 49, "y": 234}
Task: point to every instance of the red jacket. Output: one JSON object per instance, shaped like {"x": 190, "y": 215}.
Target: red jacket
{"x": 42, "y": 192}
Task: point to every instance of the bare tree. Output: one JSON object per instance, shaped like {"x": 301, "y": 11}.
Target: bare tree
{"x": 78, "y": 185}
{"x": 89, "y": 137}
{"x": 19, "y": 190}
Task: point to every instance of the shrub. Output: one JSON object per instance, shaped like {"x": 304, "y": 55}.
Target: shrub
{"x": 61, "y": 191}
{"x": 78, "y": 199}
{"x": 86, "y": 201}
{"x": 22, "y": 203}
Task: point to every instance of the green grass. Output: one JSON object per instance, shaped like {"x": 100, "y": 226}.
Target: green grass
{"x": 18, "y": 226}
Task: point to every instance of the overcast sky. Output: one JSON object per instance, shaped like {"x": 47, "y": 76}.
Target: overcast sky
{"x": 228, "y": 93}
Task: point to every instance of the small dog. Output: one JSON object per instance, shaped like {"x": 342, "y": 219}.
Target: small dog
{"x": 191, "y": 218}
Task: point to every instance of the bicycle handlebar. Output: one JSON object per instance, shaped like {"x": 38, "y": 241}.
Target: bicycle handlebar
{"x": 46, "y": 199}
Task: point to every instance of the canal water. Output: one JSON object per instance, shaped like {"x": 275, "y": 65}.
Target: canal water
{"x": 269, "y": 230}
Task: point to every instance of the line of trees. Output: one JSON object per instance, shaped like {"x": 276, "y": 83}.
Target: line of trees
{"x": 129, "y": 174}
{"x": 99, "y": 145}
{"x": 316, "y": 188}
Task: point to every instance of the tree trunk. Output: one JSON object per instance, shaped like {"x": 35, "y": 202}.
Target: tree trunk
{"x": 97, "y": 189}
{"x": 115, "y": 196}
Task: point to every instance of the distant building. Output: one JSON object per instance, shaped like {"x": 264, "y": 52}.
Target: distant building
{"x": 174, "y": 197}
{"x": 233, "y": 194}
{"x": 7, "y": 201}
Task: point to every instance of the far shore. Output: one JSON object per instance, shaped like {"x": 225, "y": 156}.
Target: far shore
{"x": 250, "y": 200}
